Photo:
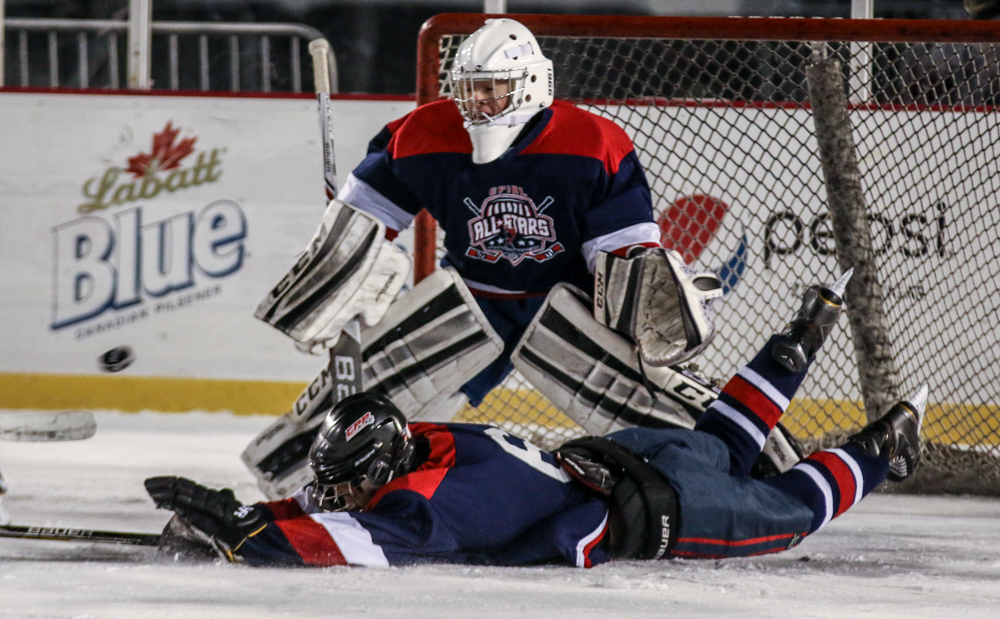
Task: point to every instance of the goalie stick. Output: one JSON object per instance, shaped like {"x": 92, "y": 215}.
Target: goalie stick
{"x": 319, "y": 49}
{"x": 61, "y": 534}
{"x": 284, "y": 472}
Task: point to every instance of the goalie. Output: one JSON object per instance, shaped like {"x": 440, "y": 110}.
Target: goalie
{"x": 391, "y": 493}
{"x": 531, "y": 193}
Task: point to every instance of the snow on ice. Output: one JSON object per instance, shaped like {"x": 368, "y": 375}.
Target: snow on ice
{"x": 893, "y": 556}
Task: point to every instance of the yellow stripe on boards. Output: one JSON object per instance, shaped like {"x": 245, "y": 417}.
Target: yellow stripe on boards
{"x": 806, "y": 418}
{"x": 133, "y": 393}
{"x": 949, "y": 424}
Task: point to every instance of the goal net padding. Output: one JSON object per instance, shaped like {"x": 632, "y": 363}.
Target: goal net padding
{"x": 720, "y": 112}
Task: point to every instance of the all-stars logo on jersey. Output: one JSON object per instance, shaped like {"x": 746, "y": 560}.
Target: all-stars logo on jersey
{"x": 509, "y": 225}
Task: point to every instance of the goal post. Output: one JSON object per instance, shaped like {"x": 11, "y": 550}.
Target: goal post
{"x": 720, "y": 112}
{"x": 852, "y": 234}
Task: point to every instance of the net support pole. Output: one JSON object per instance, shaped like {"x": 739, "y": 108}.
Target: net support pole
{"x": 864, "y": 296}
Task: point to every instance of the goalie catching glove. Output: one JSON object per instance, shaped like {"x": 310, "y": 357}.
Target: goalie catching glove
{"x": 225, "y": 522}
{"x": 656, "y": 301}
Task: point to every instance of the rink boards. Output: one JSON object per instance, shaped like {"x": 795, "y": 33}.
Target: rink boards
{"x": 141, "y": 231}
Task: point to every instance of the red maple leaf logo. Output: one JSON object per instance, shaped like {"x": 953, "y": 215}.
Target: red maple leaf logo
{"x": 165, "y": 156}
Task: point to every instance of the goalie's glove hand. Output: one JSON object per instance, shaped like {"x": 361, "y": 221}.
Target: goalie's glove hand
{"x": 216, "y": 513}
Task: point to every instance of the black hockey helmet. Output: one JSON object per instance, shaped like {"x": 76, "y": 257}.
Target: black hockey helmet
{"x": 363, "y": 443}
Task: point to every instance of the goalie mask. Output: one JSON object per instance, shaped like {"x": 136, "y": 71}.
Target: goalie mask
{"x": 499, "y": 80}
{"x": 363, "y": 444}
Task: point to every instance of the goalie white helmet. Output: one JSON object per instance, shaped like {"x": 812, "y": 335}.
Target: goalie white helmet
{"x": 499, "y": 80}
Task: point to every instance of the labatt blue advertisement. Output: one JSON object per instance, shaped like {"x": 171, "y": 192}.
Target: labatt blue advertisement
{"x": 139, "y": 233}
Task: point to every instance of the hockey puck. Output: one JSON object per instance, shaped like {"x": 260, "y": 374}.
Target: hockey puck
{"x": 116, "y": 359}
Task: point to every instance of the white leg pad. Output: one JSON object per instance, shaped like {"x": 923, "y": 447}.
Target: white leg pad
{"x": 593, "y": 375}
{"x": 430, "y": 343}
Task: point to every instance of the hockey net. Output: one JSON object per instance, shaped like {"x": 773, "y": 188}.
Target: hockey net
{"x": 718, "y": 110}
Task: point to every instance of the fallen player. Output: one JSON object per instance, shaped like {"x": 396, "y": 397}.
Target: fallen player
{"x": 392, "y": 493}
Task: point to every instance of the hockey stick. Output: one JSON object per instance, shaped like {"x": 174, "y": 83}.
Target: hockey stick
{"x": 320, "y": 52}
{"x": 40, "y": 426}
{"x": 277, "y": 457}
{"x": 60, "y": 534}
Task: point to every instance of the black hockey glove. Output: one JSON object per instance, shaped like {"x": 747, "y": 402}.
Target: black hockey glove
{"x": 216, "y": 513}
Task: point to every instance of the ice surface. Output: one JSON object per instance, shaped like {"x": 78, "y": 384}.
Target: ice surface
{"x": 893, "y": 556}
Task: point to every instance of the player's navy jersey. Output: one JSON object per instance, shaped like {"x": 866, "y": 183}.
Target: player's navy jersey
{"x": 570, "y": 186}
{"x": 481, "y": 496}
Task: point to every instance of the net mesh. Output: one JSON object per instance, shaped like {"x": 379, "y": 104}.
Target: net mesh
{"x": 724, "y": 131}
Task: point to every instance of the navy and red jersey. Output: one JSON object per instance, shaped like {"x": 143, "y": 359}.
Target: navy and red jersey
{"x": 481, "y": 496}
{"x": 569, "y": 186}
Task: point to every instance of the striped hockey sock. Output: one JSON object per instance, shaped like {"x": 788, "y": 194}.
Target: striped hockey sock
{"x": 831, "y": 481}
{"x": 749, "y": 406}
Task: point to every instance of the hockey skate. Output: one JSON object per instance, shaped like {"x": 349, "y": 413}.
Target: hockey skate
{"x": 896, "y": 436}
{"x": 805, "y": 334}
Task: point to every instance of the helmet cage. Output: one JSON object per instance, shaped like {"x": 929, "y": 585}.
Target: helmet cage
{"x": 463, "y": 84}
{"x": 343, "y": 496}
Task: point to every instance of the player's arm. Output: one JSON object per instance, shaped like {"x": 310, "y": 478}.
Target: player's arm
{"x": 266, "y": 534}
{"x": 374, "y": 187}
{"x": 401, "y": 529}
{"x": 621, "y": 215}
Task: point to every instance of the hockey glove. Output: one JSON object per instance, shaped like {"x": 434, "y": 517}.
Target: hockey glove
{"x": 216, "y": 513}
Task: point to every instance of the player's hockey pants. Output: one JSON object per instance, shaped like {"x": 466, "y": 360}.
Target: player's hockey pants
{"x": 722, "y": 511}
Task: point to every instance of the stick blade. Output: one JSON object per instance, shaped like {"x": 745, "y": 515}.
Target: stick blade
{"x": 44, "y": 426}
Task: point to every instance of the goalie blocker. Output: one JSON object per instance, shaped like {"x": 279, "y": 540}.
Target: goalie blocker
{"x": 347, "y": 272}
{"x": 593, "y": 375}
{"x": 431, "y": 342}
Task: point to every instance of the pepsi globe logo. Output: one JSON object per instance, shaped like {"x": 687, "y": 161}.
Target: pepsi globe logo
{"x": 691, "y": 223}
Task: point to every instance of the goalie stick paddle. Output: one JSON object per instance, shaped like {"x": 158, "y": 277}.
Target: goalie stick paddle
{"x": 42, "y": 426}
{"x": 60, "y": 534}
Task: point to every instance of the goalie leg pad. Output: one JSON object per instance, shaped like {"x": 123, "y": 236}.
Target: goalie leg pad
{"x": 593, "y": 375}
{"x": 430, "y": 343}
{"x": 347, "y": 271}
{"x": 278, "y": 456}
{"x": 655, "y": 300}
